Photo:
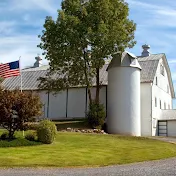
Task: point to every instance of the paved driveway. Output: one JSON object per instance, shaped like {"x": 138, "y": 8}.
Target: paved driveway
{"x": 165, "y": 139}
{"x": 154, "y": 168}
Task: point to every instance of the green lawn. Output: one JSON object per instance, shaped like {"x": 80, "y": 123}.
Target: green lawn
{"x": 73, "y": 149}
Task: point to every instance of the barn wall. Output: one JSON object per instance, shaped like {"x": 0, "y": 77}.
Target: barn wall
{"x": 103, "y": 96}
{"x": 171, "y": 127}
{"x": 76, "y": 103}
{"x": 160, "y": 93}
{"x": 146, "y": 109}
{"x": 68, "y": 104}
{"x": 44, "y": 99}
{"x": 57, "y": 105}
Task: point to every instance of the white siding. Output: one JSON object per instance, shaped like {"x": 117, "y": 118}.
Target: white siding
{"x": 73, "y": 105}
{"x": 160, "y": 92}
{"x": 171, "y": 128}
{"x": 146, "y": 109}
{"x": 102, "y": 96}
{"x": 57, "y": 105}
{"x": 76, "y": 103}
{"x": 44, "y": 99}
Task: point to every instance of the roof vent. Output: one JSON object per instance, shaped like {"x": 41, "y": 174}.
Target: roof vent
{"x": 38, "y": 61}
{"x": 145, "y": 51}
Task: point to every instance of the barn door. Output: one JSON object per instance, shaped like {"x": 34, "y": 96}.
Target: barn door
{"x": 162, "y": 128}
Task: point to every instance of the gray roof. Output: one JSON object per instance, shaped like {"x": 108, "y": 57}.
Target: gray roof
{"x": 29, "y": 76}
{"x": 149, "y": 66}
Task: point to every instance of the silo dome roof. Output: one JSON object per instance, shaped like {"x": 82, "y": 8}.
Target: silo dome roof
{"x": 126, "y": 59}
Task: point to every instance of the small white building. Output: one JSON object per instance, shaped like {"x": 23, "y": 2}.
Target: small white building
{"x": 151, "y": 112}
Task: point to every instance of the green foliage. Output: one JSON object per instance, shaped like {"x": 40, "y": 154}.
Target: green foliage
{"x": 30, "y": 126}
{"x": 16, "y": 108}
{"x": 84, "y": 34}
{"x": 1, "y": 80}
{"x": 46, "y": 132}
{"x": 31, "y": 136}
{"x": 96, "y": 115}
{"x": 4, "y": 136}
{"x": 18, "y": 142}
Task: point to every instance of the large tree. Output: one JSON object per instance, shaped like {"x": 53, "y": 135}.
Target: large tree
{"x": 83, "y": 35}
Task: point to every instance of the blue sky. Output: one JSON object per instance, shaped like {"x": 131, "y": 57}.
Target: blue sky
{"x": 21, "y": 21}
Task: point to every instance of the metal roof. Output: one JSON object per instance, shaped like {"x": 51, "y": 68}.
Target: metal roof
{"x": 29, "y": 76}
{"x": 149, "y": 66}
{"x": 148, "y": 70}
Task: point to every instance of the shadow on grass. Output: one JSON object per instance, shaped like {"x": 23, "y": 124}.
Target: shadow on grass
{"x": 72, "y": 124}
{"x": 18, "y": 142}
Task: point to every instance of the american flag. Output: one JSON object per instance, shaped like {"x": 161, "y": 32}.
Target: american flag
{"x": 9, "y": 69}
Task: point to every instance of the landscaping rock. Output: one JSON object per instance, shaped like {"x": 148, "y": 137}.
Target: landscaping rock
{"x": 97, "y": 131}
{"x": 69, "y": 129}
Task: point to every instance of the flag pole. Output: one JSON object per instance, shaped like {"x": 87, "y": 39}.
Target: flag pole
{"x": 21, "y": 87}
{"x": 21, "y": 83}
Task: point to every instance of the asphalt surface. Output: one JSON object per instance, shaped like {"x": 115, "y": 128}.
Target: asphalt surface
{"x": 153, "y": 168}
{"x": 165, "y": 139}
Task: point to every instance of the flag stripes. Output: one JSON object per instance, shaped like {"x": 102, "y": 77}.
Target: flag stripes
{"x": 9, "y": 69}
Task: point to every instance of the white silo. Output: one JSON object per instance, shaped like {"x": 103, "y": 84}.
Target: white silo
{"x": 124, "y": 95}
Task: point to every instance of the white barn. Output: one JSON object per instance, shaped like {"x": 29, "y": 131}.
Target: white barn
{"x": 151, "y": 112}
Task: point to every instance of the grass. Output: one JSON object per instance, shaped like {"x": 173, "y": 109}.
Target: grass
{"x": 81, "y": 150}
{"x": 17, "y": 142}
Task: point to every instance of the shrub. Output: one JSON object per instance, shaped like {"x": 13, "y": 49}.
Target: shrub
{"x": 96, "y": 115}
{"x": 4, "y": 136}
{"x": 46, "y": 131}
{"x": 30, "y": 126}
{"x": 30, "y": 136}
{"x": 17, "y": 108}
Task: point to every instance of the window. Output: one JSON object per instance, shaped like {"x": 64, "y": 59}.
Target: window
{"x": 162, "y": 69}
{"x": 160, "y": 104}
{"x": 155, "y": 102}
{"x": 164, "y": 105}
{"x": 156, "y": 81}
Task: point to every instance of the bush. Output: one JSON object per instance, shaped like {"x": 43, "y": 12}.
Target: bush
{"x": 46, "y": 131}
{"x": 30, "y": 126}
{"x": 16, "y": 108}
{"x": 30, "y": 136}
{"x": 4, "y": 136}
{"x": 96, "y": 115}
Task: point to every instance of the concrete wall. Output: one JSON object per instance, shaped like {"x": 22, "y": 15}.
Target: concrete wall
{"x": 124, "y": 101}
{"x": 146, "y": 103}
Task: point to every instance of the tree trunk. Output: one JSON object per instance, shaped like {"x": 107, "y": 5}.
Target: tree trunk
{"x": 89, "y": 94}
{"x": 97, "y": 99}
{"x": 11, "y": 133}
{"x": 86, "y": 77}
